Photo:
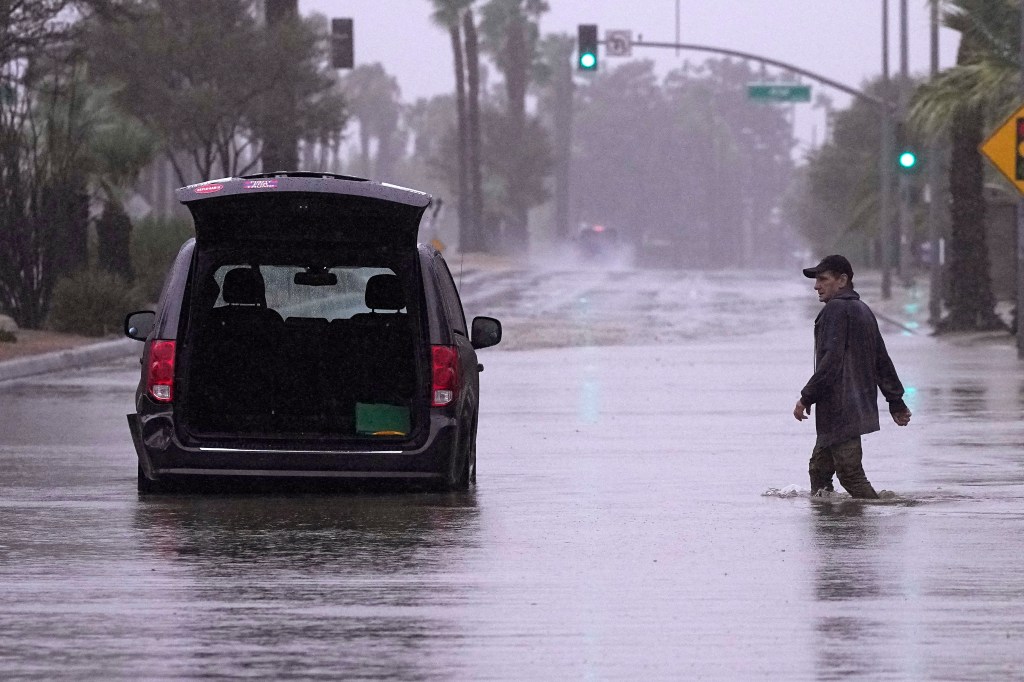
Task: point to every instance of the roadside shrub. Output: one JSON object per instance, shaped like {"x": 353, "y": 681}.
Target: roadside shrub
{"x": 155, "y": 243}
{"x": 92, "y": 303}
{"x": 7, "y": 337}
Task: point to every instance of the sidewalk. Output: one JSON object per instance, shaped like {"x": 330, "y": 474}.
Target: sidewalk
{"x": 38, "y": 352}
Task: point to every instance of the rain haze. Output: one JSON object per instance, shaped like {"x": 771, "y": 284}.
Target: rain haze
{"x": 512, "y": 382}
{"x": 839, "y": 40}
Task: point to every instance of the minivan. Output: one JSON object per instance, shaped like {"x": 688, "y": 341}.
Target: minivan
{"x": 304, "y": 334}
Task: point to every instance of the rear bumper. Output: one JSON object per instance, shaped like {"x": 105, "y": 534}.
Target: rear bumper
{"x": 162, "y": 454}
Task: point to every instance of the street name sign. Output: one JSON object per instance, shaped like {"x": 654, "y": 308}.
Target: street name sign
{"x": 1005, "y": 149}
{"x": 618, "y": 43}
{"x": 778, "y": 92}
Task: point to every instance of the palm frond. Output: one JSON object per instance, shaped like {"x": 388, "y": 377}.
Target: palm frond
{"x": 992, "y": 86}
{"x": 990, "y": 27}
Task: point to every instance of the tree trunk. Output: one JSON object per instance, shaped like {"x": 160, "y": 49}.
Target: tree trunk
{"x": 460, "y": 114}
{"x": 971, "y": 303}
{"x": 475, "y": 213}
{"x": 562, "y": 139}
{"x": 364, "y": 148}
{"x": 281, "y": 139}
{"x": 517, "y": 236}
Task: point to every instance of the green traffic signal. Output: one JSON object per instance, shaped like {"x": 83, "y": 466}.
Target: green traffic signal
{"x": 907, "y": 161}
{"x": 586, "y": 43}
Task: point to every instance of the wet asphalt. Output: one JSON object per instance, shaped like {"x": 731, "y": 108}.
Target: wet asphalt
{"x": 619, "y": 528}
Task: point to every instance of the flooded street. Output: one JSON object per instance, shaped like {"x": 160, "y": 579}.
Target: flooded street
{"x": 619, "y": 529}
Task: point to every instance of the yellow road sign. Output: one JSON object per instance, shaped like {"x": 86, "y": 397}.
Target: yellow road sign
{"x": 1005, "y": 149}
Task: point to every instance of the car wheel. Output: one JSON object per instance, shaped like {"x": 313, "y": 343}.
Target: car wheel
{"x": 146, "y": 485}
{"x": 459, "y": 469}
{"x": 472, "y": 463}
{"x": 472, "y": 455}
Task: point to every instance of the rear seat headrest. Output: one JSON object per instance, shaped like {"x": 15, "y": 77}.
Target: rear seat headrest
{"x": 244, "y": 286}
{"x": 384, "y": 292}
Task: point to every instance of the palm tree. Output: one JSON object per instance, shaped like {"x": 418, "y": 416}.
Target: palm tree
{"x": 557, "y": 101}
{"x": 983, "y": 83}
{"x": 373, "y": 98}
{"x": 473, "y": 134}
{"x": 511, "y": 36}
{"x": 448, "y": 14}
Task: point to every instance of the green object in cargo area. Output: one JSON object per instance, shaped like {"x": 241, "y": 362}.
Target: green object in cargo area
{"x": 382, "y": 420}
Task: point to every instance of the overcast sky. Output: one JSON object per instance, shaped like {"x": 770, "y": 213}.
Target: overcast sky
{"x": 840, "y": 39}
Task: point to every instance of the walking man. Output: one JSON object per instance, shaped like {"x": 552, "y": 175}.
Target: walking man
{"x": 850, "y": 366}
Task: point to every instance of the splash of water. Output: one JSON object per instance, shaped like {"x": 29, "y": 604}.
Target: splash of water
{"x": 791, "y": 490}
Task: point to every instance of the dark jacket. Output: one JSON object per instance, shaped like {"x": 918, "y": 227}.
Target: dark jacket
{"x": 850, "y": 366}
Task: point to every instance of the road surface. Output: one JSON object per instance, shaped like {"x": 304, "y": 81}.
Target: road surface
{"x": 631, "y": 425}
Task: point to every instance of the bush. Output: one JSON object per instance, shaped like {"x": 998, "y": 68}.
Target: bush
{"x": 92, "y": 303}
{"x": 155, "y": 243}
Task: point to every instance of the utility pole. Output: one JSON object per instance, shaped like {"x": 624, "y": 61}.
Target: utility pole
{"x": 885, "y": 164}
{"x": 905, "y": 231}
{"x": 934, "y": 174}
{"x": 677, "y": 27}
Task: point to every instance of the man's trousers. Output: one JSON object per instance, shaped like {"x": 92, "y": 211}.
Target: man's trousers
{"x": 843, "y": 460}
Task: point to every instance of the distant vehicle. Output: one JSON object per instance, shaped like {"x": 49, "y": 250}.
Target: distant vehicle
{"x": 598, "y": 243}
{"x": 304, "y": 334}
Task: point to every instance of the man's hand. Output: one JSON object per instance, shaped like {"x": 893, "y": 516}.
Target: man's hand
{"x": 902, "y": 418}
{"x": 801, "y": 411}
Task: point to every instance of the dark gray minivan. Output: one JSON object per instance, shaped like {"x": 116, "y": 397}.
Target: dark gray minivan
{"x": 304, "y": 333}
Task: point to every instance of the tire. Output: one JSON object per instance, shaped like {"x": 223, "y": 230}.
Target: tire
{"x": 472, "y": 454}
{"x": 458, "y": 476}
{"x": 148, "y": 486}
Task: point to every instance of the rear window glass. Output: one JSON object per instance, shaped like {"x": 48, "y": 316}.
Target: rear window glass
{"x": 339, "y": 300}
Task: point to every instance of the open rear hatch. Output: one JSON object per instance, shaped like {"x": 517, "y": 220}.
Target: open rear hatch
{"x": 305, "y": 208}
{"x": 305, "y": 317}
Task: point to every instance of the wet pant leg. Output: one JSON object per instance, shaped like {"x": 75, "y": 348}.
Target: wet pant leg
{"x": 821, "y": 469}
{"x": 846, "y": 457}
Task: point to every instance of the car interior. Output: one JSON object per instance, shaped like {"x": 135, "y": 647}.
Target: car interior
{"x": 308, "y": 350}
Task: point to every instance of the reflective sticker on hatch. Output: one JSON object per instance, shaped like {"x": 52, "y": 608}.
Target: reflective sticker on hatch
{"x": 260, "y": 184}
{"x": 209, "y": 189}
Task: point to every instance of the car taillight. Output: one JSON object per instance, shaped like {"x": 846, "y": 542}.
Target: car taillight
{"x": 445, "y": 362}
{"x": 160, "y": 372}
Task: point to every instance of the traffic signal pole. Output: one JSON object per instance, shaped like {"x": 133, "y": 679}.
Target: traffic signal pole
{"x": 884, "y": 105}
{"x": 934, "y": 178}
{"x": 824, "y": 80}
{"x": 885, "y": 166}
{"x": 904, "y": 238}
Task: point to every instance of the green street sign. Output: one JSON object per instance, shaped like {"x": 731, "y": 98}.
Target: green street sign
{"x": 778, "y": 92}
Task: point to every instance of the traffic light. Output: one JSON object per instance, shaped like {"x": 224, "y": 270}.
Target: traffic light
{"x": 907, "y": 159}
{"x": 1019, "y": 166}
{"x": 342, "y": 56}
{"x": 587, "y": 44}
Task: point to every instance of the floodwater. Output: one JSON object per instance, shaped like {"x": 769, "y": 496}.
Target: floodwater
{"x": 619, "y": 528}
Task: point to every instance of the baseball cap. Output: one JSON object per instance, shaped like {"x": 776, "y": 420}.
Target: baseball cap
{"x": 834, "y": 263}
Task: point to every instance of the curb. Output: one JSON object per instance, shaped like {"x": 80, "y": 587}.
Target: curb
{"x": 73, "y": 358}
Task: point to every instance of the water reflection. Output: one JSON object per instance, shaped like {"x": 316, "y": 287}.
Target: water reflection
{"x": 842, "y": 534}
{"x": 847, "y": 581}
{"x": 357, "y": 580}
{"x": 379, "y": 532}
